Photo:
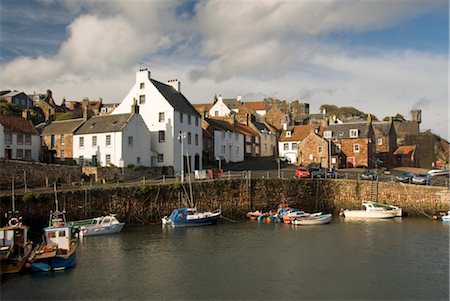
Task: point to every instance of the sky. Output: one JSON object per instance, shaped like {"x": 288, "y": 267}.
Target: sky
{"x": 382, "y": 57}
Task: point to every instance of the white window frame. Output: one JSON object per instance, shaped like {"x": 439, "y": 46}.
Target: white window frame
{"x": 94, "y": 140}
{"x": 161, "y": 117}
{"x": 353, "y": 133}
{"x": 380, "y": 141}
{"x": 142, "y": 99}
{"x": 108, "y": 140}
{"x": 356, "y": 148}
{"x": 161, "y": 136}
{"x": 81, "y": 141}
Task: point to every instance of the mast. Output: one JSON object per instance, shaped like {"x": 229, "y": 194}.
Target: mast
{"x": 56, "y": 196}
{"x": 190, "y": 183}
{"x": 12, "y": 199}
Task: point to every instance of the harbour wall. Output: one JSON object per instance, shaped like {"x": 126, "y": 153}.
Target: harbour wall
{"x": 147, "y": 204}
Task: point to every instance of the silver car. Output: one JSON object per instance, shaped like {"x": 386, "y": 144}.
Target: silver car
{"x": 421, "y": 179}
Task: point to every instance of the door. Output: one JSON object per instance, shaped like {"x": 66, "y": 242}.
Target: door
{"x": 351, "y": 162}
{"x": 8, "y": 154}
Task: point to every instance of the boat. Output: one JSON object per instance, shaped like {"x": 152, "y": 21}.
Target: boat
{"x": 185, "y": 217}
{"x": 107, "y": 224}
{"x": 15, "y": 247}
{"x": 374, "y": 210}
{"x": 254, "y": 214}
{"x": 313, "y": 219}
{"x": 445, "y": 217}
{"x": 288, "y": 216}
{"x": 58, "y": 249}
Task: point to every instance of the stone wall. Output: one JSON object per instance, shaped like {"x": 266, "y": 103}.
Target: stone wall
{"x": 147, "y": 204}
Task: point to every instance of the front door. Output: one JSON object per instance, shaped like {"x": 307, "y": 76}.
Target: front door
{"x": 8, "y": 154}
{"x": 351, "y": 162}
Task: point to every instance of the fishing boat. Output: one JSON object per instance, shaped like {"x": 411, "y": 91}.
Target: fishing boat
{"x": 374, "y": 210}
{"x": 107, "y": 224}
{"x": 288, "y": 216}
{"x": 445, "y": 217}
{"x": 15, "y": 248}
{"x": 254, "y": 214}
{"x": 185, "y": 217}
{"x": 313, "y": 219}
{"x": 58, "y": 249}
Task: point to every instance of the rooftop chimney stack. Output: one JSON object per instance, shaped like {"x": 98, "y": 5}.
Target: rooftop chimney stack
{"x": 175, "y": 83}
{"x": 135, "y": 107}
{"x": 142, "y": 75}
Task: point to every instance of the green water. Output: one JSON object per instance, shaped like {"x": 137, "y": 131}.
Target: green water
{"x": 406, "y": 259}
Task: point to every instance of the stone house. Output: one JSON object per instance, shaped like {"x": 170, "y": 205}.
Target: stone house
{"x": 405, "y": 156}
{"x": 290, "y": 139}
{"x": 354, "y": 142}
{"x": 20, "y": 138}
{"x": 252, "y": 140}
{"x": 314, "y": 150}
{"x": 48, "y": 105}
{"x": 18, "y": 98}
{"x": 385, "y": 143}
{"x": 276, "y": 118}
{"x": 119, "y": 140}
{"x": 171, "y": 119}
{"x": 57, "y": 138}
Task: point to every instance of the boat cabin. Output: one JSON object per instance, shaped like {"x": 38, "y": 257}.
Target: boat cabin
{"x": 60, "y": 236}
{"x": 12, "y": 236}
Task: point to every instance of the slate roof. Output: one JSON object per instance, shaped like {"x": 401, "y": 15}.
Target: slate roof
{"x": 62, "y": 127}
{"x": 405, "y": 150}
{"x": 17, "y": 124}
{"x": 298, "y": 133}
{"x": 220, "y": 125}
{"x": 342, "y": 131}
{"x": 382, "y": 126}
{"x": 261, "y": 126}
{"x": 231, "y": 103}
{"x": 12, "y": 94}
{"x": 104, "y": 124}
{"x": 175, "y": 98}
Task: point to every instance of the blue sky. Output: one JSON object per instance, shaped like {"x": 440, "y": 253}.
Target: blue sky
{"x": 383, "y": 57}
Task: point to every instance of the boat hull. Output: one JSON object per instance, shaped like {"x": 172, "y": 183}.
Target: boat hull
{"x": 55, "y": 263}
{"x": 372, "y": 214}
{"x": 12, "y": 266}
{"x": 100, "y": 230}
{"x": 193, "y": 223}
{"x": 446, "y": 218}
{"x": 315, "y": 220}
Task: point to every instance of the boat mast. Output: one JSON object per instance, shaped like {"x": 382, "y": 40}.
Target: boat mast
{"x": 12, "y": 199}
{"x": 56, "y": 196}
{"x": 191, "y": 200}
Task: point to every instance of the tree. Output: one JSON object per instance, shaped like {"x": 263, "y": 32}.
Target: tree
{"x": 398, "y": 117}
{"x": 8, "y": 108}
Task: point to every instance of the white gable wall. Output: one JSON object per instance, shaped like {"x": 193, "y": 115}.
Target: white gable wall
{"x": 291, "y": 152}
{"x": 219, "y": 108}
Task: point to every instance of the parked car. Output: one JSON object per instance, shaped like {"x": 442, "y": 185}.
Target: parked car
{"x": 316, "y": 172}
{"x": 405, "y": 177}
{"x": 369, "y": 175}
{"x": 302, "y": 173}
{"x": 421, "y": 179}
{"x": 331, "y": 173}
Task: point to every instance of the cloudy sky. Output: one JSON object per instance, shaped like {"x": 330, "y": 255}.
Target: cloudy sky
{"x": 383, "y": 57}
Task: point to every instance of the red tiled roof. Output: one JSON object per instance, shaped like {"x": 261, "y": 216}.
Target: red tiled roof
{"x": 255, "y": 105}
{"x": 405, "y": 150}
{"x": 298, "y": 133}
{"x": 202, "y": 107}
{"x": 17, "y": 124}
{"x": 246, "y": 130}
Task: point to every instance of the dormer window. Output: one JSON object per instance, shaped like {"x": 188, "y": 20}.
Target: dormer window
{"x": 327, "y": 134}
{"x": 288, "y": 133}
{"x": 353, "y": 133}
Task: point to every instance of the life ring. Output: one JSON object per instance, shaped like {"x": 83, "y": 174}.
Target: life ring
{"x": 14, "y": 222}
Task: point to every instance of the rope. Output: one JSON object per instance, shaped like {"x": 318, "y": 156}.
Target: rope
{"x": 417, "y": 208}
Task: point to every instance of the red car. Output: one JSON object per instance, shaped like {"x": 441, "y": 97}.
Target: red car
{"x": 302, "y": 173}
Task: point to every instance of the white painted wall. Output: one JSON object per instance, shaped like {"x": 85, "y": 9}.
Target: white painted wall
{"x": 154, "y": 104}
{"x": 234, "y": 148}
{"x": 119, "y": 148}
{"x": 35, "y": 146}
{"x": 219, "y": 108}
{"x": 290, "y": 153}
{"x": 2, "y": 142}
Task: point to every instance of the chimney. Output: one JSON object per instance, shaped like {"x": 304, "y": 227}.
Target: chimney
{"x": 285, "y": 126}
{"x": 85, "y": 113}
{"x": 142, "y": 75}
{"x": 416, "y": 116}
{"x": 135, "y": 107}
{"x": 369, "y": 119}
{"x": 175, "y": 83}
{"x": 26, "y": 114}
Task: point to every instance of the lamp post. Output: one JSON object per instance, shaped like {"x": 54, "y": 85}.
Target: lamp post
{"x": 279, "y": 162}
{"x": 181, "y": 136}
{"x": 329, "y": 154}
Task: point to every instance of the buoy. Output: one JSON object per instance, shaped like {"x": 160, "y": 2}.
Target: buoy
{"x": 14, "y": 222}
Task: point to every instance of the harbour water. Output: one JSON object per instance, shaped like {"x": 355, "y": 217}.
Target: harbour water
{"x": 397, "y": 260}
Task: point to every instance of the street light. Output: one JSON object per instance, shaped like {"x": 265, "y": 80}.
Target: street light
{"x": 181, "y": 136}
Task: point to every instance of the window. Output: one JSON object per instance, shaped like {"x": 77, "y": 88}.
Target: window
{"x": 189, "y": 119}
{"x": 28, "y": 154}
{"x": 353, "y": 133}
{"x": 380, "y": 141}
{"x": 108, "y": 159}
{"x": 181, "y": 117}
{"x": 160, "y": 157}
{"x": 61, "y": 139}
{"x": 229, "y": 135}
{"x": 311, "y": 157}
{"x": 61, "y": 154}
{"x": 237, "y": 150}
{"x": 223, "y": 149}
{"x": 81, "y": 160}
{"x": 161, "y": 136}
{"x": 94, "y": 140}
{"x": 216, "y": 113}
{"x": 196, "y": 139}
{"x": 236, "y": 136}
{"x": 196, "y": 121}
{"x": 161, "y": 117}
{"x": 8, "y": 138}
{"x": 19, "y": 153}
{"x": 142, "y": 86}
{"x": 356, "y": 148}
{"x": 189, "y": 138}
{"x": 138, "y": 160}
{"x": 294, "y": 145}
{"x": 338, "y": 148}
{"x": 319, "y": 149}
{"x": 130, "y": 140}
{"x": 286, "y": 146}
{"x": 141, "y": 99}
{"x": 223, "y": 135}
{"x": 288, "y": 133}
{"x": 81, "y": 141}
{"x": 108, "y": 140}
{"x": 327, "y": 134}
{"x": 19, "y": 138}
{"x": 28, "y": 139}
{"x": 265, "y": 147}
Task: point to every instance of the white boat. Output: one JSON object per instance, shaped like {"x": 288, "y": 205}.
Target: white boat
{"x": 313, "y": 219}
{"x": 446, "y": 218}
{"x": 99, "y": 225}
{"x": 187, "y": 217}
{"x": 374, "y": 210}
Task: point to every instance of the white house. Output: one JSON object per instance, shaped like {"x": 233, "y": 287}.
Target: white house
{"x": 118, "y": 140}
{"x": 219, "y": 108}
{"x": 20, "y": 140}
{"x": 290, "y": 140}
{"x": 2, "y": 141}
{"x": 228, "y": 141}
{"x": 169, "y": 116}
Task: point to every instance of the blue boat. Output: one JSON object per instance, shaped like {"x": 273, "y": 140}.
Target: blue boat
{"x": 188, "y": 217}
{"x": 58, "y": 250}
